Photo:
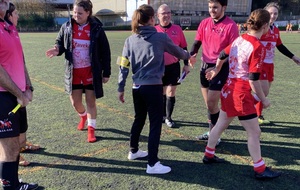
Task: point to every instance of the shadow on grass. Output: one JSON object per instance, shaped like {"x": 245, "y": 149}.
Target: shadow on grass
{"x": 218, "y": 176}
{"x": 181, "y": 123}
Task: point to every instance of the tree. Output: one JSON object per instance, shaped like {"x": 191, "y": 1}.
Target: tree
{"x": 35, "y": 14}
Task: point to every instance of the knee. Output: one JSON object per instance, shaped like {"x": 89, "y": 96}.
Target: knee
{"x": 212, "y": 106}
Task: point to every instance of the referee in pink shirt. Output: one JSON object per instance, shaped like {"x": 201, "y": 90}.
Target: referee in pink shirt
{"x": 214, "y": 34}
{"x": 172, "y": 65}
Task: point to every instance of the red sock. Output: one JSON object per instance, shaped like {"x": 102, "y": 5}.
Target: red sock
{"x": 259, "y": 107}
{"x": 209, "y": 152}
{"x": 91, "y": 134}
{"x": 259, "y": 166}
{"x": 82, "y": 122}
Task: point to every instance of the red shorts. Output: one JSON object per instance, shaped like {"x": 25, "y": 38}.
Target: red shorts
{"x": 237, "y": 100}
{"x": 82, "y": 76}
{"x": 267, "y": 72}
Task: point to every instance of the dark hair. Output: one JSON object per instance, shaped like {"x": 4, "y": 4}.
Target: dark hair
{"x": 87, "y": 5}
{"x": 142, "y": 15}
{"x": 9, "y": 12}
{"x": 222, "y": 2}
{"x": 272, "y": 4}
{"x": 257, "y": 19}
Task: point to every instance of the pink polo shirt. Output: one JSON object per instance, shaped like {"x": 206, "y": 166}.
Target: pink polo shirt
{"x": 215, "y": 37}
{"x": 177, "y": 36}
{"x": 11, "y": 55}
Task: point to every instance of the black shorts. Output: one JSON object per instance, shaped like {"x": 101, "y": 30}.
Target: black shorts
{"x": 82, "y": 87}
{"x": 11, "y": 126}
{"x": 171, "y": 75}
{"x": 218, "y": 81}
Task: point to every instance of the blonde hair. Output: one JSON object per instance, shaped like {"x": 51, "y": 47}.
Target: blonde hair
{"x": 272, "y": 4}
{"x": 141, "y": 16}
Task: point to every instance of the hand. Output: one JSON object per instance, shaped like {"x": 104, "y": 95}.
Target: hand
{"x": 296, "y": 60}
{"x": 121, "y": 97}
{"x": 210, "y": 73}
{"x": 192, "y": 60}
{"x": 266, "y": 103}
{"x": 105, "y": 79}
{"x": 186, "y": 69}
{"x": 52, "y": 52}
{"x": 24, "y": 101}
{"x": 28, "y": 93}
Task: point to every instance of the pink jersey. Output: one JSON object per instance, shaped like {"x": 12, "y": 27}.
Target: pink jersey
{"x": 215, "y": 37}
{"x": 11, "y": 55}
{"x": 246, "y": 55}
{"x": 81, "y": 45}
{"x": 177, "y": 36}
{"x": 270, "y": 40}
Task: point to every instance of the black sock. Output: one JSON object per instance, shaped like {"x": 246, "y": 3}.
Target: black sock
{"x": 214, "y": 118}
{"x": 165, "y": 105}
{"x": 9, "y": 175}
{"x": 170, "y": 106}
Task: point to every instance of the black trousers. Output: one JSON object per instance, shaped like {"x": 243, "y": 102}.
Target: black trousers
{"x": 147, "y": 99}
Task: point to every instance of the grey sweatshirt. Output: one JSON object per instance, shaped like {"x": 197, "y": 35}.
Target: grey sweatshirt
{"x": 145, "y": 52}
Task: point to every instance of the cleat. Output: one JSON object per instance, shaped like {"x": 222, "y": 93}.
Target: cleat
{"x": 214, "y": 159}
{"x": 262, "y": 120}
{"x": 27, "y": 186}
{"x": 204, "y": 136}
{"x": 267, "y": 174}
{"x": 170, "y": 123}
{"x": 138, "y": 154}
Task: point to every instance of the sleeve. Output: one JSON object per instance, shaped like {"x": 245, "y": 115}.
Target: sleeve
{"x": 183, "y": 44}
{"x": 278, "y": 42}
{"x": 123, "y": 68}
{"x": 233, "y": 33}
{"x": 105, "y": 54}
{"x": 284, "y": 50}
{"x": 256, "y": 59}
{"x": 175, "y": 50}
{"x": 59, "y": 42}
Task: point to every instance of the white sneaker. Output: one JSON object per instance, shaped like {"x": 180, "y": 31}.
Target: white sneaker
{"x": 138, "y": 154}
{"x": 170, "y": 123}
{"x": 158, "y": 169}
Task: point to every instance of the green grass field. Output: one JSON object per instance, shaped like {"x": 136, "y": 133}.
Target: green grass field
{"x": 66, "y": 161}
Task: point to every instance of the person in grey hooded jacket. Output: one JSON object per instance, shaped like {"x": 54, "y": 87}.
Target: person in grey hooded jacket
{"x": 144, "y": 52}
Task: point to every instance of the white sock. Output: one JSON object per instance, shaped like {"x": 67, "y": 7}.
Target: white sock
{"x": 92, "y": 122}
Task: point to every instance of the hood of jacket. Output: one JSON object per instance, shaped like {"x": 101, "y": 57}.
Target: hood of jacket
{"x": 146, "y": 32}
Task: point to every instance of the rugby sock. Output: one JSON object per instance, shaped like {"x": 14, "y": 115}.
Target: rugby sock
{"x": 259, "y": 107}
{"x": 165, "y": 105}
{"x": 83, "y": 118}
{"x": 91, "y": 134}
{"x": 209, "y": 152}
{"x": 91, "y": 130}
{"x": 170, "y": 106}
{"x": 9, "y": 175}
{"x": 259, "y": 166}
{"x": 214, "y": 118}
